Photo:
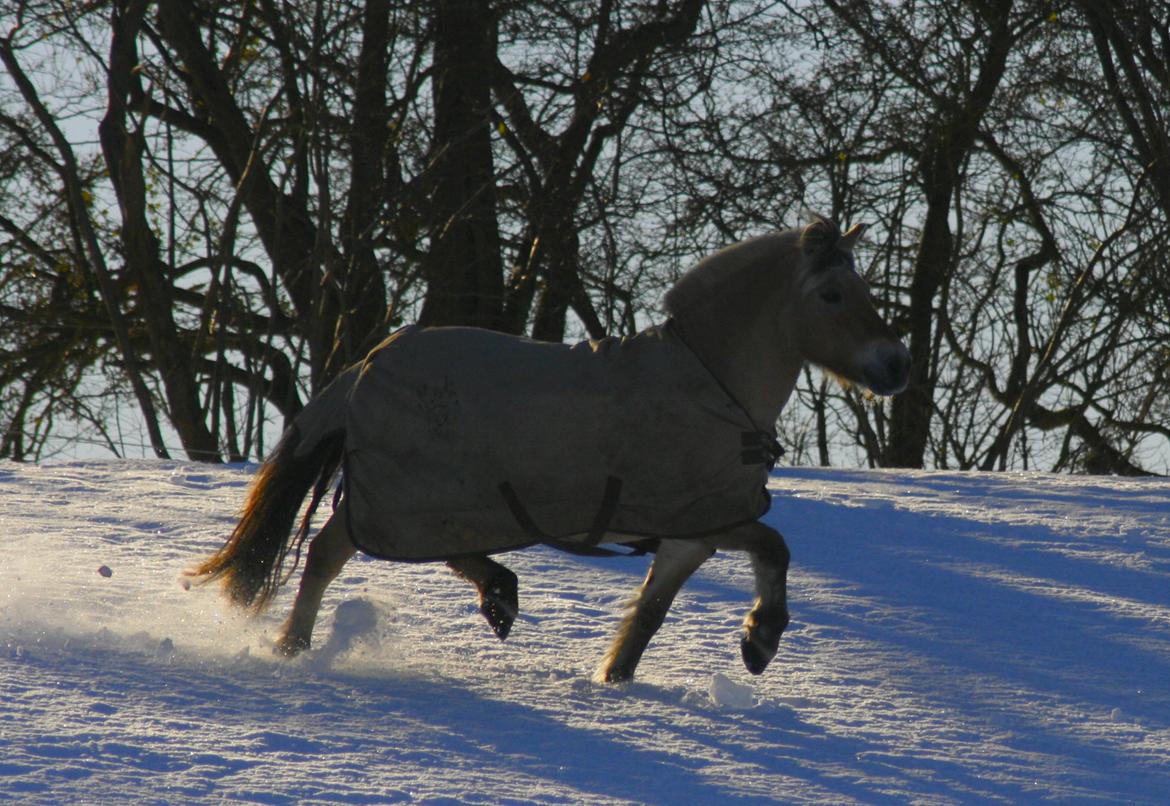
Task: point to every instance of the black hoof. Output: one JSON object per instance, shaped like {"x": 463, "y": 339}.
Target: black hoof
{"x": 614, "y": 675}
{"x": 287, "y": 647}
{"x": 500, "y": 602}
{"x": 756, "y": 656}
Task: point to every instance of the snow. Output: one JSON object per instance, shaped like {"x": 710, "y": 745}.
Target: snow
{"x": 956, "y": 638}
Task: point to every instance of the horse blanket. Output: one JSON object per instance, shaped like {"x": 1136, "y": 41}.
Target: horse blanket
{"x": 466, "y": 441}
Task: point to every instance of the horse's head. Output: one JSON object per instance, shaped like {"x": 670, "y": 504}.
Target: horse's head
{"x": 833, "y": 320}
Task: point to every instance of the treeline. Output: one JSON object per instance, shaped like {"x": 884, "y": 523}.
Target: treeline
{"x": 209, "y": 209}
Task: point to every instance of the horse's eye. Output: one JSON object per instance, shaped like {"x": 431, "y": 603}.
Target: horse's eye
{"x": 831, "y": 297}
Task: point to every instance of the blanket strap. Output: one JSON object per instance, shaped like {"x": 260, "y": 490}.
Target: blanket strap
{"x": 760, "y": 448}
{"x": 605, "y": 513}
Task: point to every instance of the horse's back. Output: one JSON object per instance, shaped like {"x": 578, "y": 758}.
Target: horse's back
{"x": 454, "y": 432}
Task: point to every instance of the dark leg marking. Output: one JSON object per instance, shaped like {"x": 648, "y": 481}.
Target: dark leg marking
{"x": 499, "y": 599}
{"x": 765, "y": 623}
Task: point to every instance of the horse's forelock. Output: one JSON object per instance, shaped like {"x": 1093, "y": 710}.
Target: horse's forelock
{"x": 820, "y": 240}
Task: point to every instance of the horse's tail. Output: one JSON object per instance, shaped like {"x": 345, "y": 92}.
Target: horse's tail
{"x": 250, "y": 563}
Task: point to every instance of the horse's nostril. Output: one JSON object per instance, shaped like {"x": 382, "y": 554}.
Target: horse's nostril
{"x": 895, "y": 367}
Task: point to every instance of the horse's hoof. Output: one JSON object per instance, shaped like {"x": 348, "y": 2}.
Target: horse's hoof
{"x": 761, "y": 637}
{"x": 500, "y": 603}
{"x": 289, "y": 647}
{"x": 613, "y": 675}
{"x": 756, "y": 655}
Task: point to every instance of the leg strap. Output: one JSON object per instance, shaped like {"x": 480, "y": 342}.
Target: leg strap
{"x": 600, "y": 525}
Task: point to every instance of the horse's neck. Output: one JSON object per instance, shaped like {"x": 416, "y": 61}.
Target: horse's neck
{"x": 749, "y": 359}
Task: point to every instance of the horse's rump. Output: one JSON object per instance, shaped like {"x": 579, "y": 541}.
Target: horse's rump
{"x": 464, "y": 441}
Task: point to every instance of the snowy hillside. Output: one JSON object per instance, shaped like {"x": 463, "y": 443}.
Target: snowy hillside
{"x": 956, "y": 638}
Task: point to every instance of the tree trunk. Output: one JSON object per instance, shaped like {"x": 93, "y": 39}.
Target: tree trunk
{"x": 123, "y": 151}
{"x": 911, "y": 411}
{"x": 463, "y": 269}
{"x": 358, "y": 284}
{"x": 941, "y": 172}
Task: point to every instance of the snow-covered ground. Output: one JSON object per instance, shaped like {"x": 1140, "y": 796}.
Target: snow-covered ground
{"x": 956, "y": 638}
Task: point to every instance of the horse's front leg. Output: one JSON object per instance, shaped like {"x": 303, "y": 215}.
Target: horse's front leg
{"x": 769, "y": 615}
{"x": 673, "y": 564}
{"x": 328, "y": 553}
{"x": 498, "y": 598}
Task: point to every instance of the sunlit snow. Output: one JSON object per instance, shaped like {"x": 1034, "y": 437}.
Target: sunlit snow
{"x": 956, "y": 638}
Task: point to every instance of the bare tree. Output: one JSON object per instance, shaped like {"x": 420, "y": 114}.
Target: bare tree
{"x": 209, "y": 209}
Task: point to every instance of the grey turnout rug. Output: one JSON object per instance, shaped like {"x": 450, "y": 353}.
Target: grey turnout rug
{"x": 463, "y": 441}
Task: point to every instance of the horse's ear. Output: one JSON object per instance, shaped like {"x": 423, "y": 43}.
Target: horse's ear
{"x": 819, "y": 236}
{"x": 850, "y": 238}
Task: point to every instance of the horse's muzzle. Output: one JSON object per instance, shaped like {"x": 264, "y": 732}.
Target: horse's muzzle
{"x": 887, "y": 370}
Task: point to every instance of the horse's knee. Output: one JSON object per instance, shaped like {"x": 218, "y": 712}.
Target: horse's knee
{"x": 648, "y": 616}
{"x": 780, "y": 547}
{"x": 767, "y": 546}
{"x": 783, "y": 554}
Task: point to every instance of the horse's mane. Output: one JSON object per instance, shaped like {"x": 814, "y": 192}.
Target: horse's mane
{"x": 737, "y": 267}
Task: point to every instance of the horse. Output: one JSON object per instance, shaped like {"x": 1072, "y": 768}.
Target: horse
{"x": 454, "y": 443}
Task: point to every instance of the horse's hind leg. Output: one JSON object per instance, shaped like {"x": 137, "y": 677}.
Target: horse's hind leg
{"x": 673, "y": 564}
{"x": 328, "y": 553}
{"x": 498, "y": 590}
{"x": 769, "y": 615}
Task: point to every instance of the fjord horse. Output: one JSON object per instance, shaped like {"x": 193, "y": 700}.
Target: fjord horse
{"x": 751, "y": 315}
